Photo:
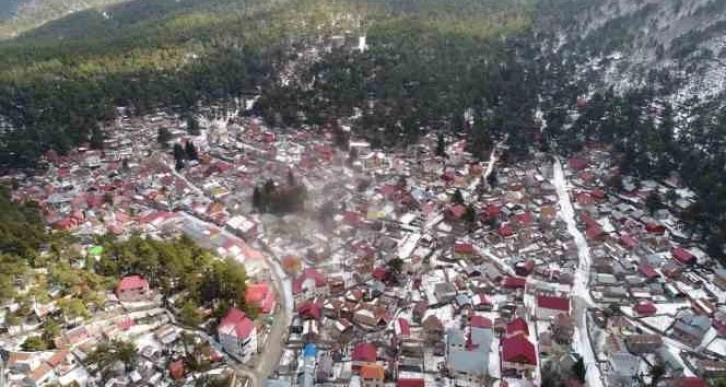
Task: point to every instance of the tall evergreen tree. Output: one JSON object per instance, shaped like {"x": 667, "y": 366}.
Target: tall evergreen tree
{"x": 97, "y": 137}
{"x": 163, "y": 136}
{"x": 179, "y": 153}
{"x": 193, "y": 126}
{"x": 440, "y": 146}
{"x": 191, "y": 151}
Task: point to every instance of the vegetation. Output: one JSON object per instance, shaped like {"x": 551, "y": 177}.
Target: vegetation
{"x": 178, "y": 266}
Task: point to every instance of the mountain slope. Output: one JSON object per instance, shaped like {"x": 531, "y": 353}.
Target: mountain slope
{"x": 18, "y": 16}
{"x": 625, "y": 42}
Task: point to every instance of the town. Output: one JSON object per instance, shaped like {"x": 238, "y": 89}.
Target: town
{"x": 412, "y": 267}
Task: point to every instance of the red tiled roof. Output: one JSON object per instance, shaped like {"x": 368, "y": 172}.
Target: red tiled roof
{"x": 627, "y": 241}
{"x": 683, "y": 255}
{"x": 518, "y": 349}
{"x": 480, "y": 322}
{"x": 131, "y": 282}
{"x": 689, "y": 381}
{"x": 506, "y": 230}
{"x": 514, "y": 282}
{"x": 577, "y": 163}
{"x": 524, "y": 218}
{"x": 309, "y": 309}
{"x": 236, "y": 323}
{"x": 403, "y": 328}
{"x": 645, "y": 308}
{"x": 309, "y": 273}
{"x": 379, "y": 273}
{"x": 364, "y": 352}
{"x": 593, "y": 232}
{"x": 648, "y": 271}
{"x": 517, "y": 325}
{"x": 260, "y": 294}
{"x": 463, "y": 248}
{"x": 551, "y": 302}
{"x": 176, "y": 369}
{"x": 410, "y": 383}
{"x": 457, "y": 210}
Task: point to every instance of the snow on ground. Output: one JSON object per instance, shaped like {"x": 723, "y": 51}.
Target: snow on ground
{"x": 660, "y": 323}
{"x": 581, "y": 340}
{"x": 664, "y": 309}
{"x": 495, "y": 366}
{"x": 718, "y": 346}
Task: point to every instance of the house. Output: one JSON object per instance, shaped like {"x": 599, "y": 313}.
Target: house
{"x": 310, "y": 283}
{"x": 648, "y": 271}
{"x": 444, "y": 292}
{"x": 517, "y": 327}
{"x": 524, "y": 268}
{"x": 237, "y": 334}
{"x": 518, "y": 355}
{"x": 551, "y": 306}
{"x": 711, "y": 368}
{"x": 645, "y": 308}
{"x": 410, "y": 382}
{"x": 691, "y": 328}
{"x": 132, "y": 288}
{"x": 683, "y": 256}
{"x": 176, "y": 370}
{"x": 372, "y": 375}
{"x": 468, "y": 357}
{"x": 463, "y": 249}
{"x": 364, "y": 353}
{"x": 643, "y": 343}
{"x": 624, "y": 367}
{"x": 41, "y": 375}
{"x": 482, "y": 302}
{"x": 261, "y": 295}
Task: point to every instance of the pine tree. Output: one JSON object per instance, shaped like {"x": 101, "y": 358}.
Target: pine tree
{"x": 191, "y": 151}
{"x": 97, "y": 137}
{"x": 179, "y": 154}
{"x": 440, "y": 146}
{"x": 163, "y": 136}
{"x": 457, "y": 198}
{"x": 257, "y": 199}
{"x": 653, "y": 202}
{"x": 291, "y": 178}
{"x": 193, "y": 126}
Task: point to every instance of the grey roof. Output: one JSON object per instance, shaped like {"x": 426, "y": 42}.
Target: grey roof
{"x": 472, "y": 363}
{"x": 483, "y": 338}
{"x": 692, "y": 325}
{"x": 455, "y": 337}
{"x": 463, "y": 299}
{"x": 624, "y": 364}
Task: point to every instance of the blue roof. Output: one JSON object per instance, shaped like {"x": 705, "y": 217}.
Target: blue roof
{"x": 310, "y": 350}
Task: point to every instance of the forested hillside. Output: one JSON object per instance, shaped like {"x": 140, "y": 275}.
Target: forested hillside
{"x": 488, "y": 69}
{"x": 18, "y": 16}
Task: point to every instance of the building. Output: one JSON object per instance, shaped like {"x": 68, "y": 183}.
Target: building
{"x": 372, "y": 375}
{"x": 237, "y": 334}
{"x": 261, "y": 295}
{"x": 518, "y": 355}
{"x": 551, "y": 306}
{"x": 133, "y": 288}
{"x": 643, "y": 343}
{"x": 310, "y": 283}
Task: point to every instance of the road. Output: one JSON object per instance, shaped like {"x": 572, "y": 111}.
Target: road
{"x": 267, "y": 361}
{"x": 582, "y": 298}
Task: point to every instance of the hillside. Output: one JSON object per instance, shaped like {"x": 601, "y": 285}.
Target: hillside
{"x": 18, "y": 16}
{"x": 623, "y": 43}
